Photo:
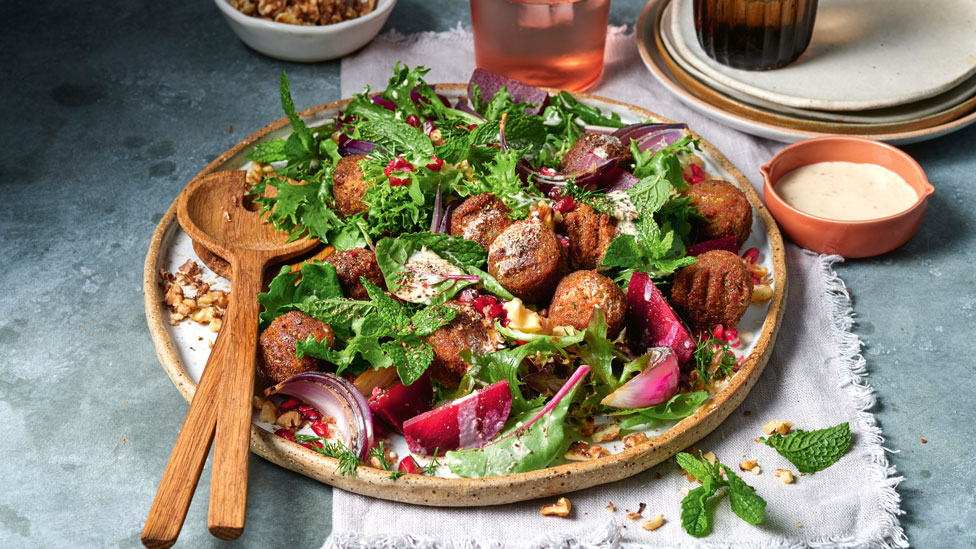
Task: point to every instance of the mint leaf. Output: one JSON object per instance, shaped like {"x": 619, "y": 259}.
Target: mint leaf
{"x": 745, "y": 503}
{"x": 319, "y": 281}
{"x": 427, "y": 320}
{"x": 695, "y": 518}
{"x": 395, "y": 136}
{"x": 692, "y": 466}
{"x": 411, "y": 357}
{"x": 812, "y": 451}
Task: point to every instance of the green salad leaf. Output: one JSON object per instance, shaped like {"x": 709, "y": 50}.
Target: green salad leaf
{"x": 525, "y": 450}
{"x": 285, "y": 293}
{"x": 812, "y": 451}
{"x": 432, "y": 283}
{"x": 679, "y": 406}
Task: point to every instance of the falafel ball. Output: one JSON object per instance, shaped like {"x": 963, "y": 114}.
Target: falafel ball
{"x": 276, "y": 349}
{"x": 352, "y": 264}
{"x": 601, "y": 145}
{"x": 716, "y": 289}
{"x": 589, "y": 233}
{"x": 480, "y": 218}
{"x": 348, "y": 186}
{"x": 579, "y": 293}
{"x": 467, "y": 331}
{"x": 726, "y": 210}
{"x": 528, "y": 260}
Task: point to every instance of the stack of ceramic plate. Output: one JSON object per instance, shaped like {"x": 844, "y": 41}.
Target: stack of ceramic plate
{"x": 897, "y": 71}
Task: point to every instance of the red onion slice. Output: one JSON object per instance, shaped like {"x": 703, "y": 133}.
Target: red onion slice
{"x": 655, "y": 384}
{"x": 338, "y": 398}
{"x": 636, "y": 131}
{"x": 349, "y": 146}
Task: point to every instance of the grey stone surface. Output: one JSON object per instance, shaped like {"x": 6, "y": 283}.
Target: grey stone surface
{"x": 108, "y": 108}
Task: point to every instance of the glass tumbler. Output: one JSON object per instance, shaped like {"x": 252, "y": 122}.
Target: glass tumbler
{"x": 554, "y": 43}
{"x": 754, "y": 34}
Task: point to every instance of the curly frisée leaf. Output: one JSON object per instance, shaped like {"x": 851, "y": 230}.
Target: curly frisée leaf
{"x": 812, "y": 451}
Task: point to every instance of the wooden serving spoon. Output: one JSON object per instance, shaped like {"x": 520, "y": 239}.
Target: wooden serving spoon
{"x": 211, "y": 210}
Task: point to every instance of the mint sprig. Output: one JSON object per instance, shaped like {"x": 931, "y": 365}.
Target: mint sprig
{"x": 696, "y": 517}
{"x": 812, "y": 451}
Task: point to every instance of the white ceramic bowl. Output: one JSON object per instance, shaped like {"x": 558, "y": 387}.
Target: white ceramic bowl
{"x": 306, "y": 44}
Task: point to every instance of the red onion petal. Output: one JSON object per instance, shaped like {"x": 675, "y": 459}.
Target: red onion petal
{"x": 338, "y": 398}
{"x": 655, "y": 384}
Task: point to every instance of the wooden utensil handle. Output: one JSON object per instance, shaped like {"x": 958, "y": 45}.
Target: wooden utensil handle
{"x": 228, "y": 484}
{"x": 168, "y": 511}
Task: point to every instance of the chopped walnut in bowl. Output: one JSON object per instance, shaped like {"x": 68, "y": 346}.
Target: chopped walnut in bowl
{"x": 305, "y": 12}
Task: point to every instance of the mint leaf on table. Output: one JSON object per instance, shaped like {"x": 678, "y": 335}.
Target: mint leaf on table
{"x": 695, "y": 516}
{"x": 745, "y": 503}
{"x": 812, "y": 451}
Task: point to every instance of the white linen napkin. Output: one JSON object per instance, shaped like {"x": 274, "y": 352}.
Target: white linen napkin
{"x": 814, "y": 378}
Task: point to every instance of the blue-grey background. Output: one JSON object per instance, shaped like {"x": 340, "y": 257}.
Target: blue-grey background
{"x": 109, "y": 108}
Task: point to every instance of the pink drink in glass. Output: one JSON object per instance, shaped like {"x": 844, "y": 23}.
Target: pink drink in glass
{"x": 555, "y": 43}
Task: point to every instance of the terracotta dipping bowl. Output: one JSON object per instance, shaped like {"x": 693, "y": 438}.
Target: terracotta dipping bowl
{"x": 846, "y": 238}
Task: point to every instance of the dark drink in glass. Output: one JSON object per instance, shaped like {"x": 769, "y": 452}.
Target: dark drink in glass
{"x": 754, "y": 34}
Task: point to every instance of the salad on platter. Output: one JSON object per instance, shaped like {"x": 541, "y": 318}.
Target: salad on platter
{"x": 518, "y": 279}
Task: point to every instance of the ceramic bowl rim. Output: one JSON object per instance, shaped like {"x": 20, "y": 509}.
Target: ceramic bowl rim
{"x": 382, "y": 9}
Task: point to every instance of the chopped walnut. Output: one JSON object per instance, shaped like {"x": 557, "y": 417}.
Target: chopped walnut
{"x": 748, "y": 465}
{"x": 757, "y": 470}
{"x": 587, "y": 426}
{"x": 654, "y": 523}
{"x": 634, "y": 439}
{"x": 174, "y": 295}
{"x": 610, "y": 507}
{"x": 710, "y": 457}
{"x": 561, "y": 508}
{"x": 785, "y": 476}
{"x": 190, "y": 268}
{"x": 778, "y": 426}
{"x": 291, "y": 419}
{"x": 606, "y": 433}
{"x": 638, "y": 514}
{"x": 258, "y": 401}
{"x": 582, "y": 451}
{"x": 269, "y": 414}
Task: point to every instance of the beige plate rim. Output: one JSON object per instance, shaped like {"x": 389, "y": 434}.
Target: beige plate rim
{"x": 449, "y": 492}
{"x": 647, "y": 48}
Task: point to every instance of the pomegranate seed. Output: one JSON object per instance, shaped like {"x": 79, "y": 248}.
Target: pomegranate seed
{"x": 413, "y": 120}
{"x": 472, "y": 127}
{"x": 563, "y": 240}
{"x": 554, "y": 194}
{"x": 520, "y": 342}
{"x": 398, "y": 164}
{"x": 436, "y": 164}
{"x": 731, "y": 333}
{"x": 697, "y": 174}
{"x": 505, "y": 321}
{"x": 718, "y": 331}
{"x": 482, "y": 303}
{"x": 756, "y": 280}
{"x": 467, "y": 296}
{"x": 496, "y": 311}
{"x": 751, "y": 255}
{"x": 288, "y": 405}
{"x": 308, "y": 412}
{"x": 285, "y": 433}
{"x": 399, "y": 181}
{"x": 320, "y": 429}
{"x": 312, "y": 445}
{"x": 565, "y": 204}
{"x": 547, "y": 171}
{"x": 409, "y": 465}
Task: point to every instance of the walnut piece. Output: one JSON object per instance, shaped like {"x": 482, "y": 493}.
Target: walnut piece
{"x": 654, "y": 523}
{"x": 561, "y": 508}
{"x": 583, "y": 451}
{"x": 778, "y": 426}
{"x": 785, "y": 476}
{"x": 606, "y": 433}
{"x": 289, "y": 420}
{"x": 634, "y": 439}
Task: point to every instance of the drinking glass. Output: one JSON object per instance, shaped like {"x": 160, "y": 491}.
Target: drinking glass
{"x": 754, "y": 34}
{"x": 554, "y": 43}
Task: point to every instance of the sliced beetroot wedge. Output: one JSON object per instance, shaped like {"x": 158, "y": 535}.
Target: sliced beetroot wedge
{"x": 489, "y": 83}
{"x": 402, "y": 402}
{"x": 468, "y": 422}
{"x": 653, "y": 321}
{"x": 726, "y": 243}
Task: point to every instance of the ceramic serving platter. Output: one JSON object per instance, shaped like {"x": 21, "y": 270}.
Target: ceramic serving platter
{"x": 747, "y": 118}
{"x": 947, "y": 105}
{"x": 864, "y": 54}
{"x": 183, "y": 350}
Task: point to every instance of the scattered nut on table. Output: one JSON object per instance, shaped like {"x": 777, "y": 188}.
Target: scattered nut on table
{"x": 778, "y": 426}
{"x": 785, "y": 476}
{"x": 561, "y": 508}
{"x": 654, "y": 523}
